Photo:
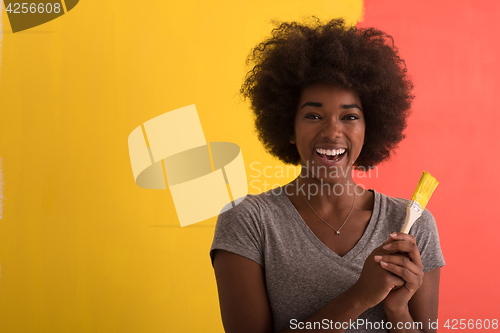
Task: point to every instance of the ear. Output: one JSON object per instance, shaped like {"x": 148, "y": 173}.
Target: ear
{"x": 292, "y": 139}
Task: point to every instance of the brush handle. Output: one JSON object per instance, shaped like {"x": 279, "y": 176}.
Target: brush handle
{"x": 411, "y": 216}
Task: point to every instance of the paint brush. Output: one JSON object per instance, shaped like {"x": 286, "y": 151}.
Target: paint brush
{"x": 419, "y": 199}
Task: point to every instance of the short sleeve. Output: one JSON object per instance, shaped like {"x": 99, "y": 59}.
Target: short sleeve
{"x": 427, "y": 237}
{"x": 238, "y": 230}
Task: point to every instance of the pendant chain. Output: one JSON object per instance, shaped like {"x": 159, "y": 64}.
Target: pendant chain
{"x": 337, "y": 231}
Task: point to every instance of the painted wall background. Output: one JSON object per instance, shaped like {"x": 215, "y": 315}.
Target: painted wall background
{"x": 451, "y": 52}
{"x": 83, "y": 249}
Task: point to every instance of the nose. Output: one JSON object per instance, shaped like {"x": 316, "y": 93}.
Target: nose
{"x": 332, "y": 129}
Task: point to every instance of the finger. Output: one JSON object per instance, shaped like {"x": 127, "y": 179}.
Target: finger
{"x": 399, "y": 260}
{"x": 400, "y": 246}
{"x": 399, "y": 236}
{"x": 393, "y": 281}
{"x": 396, "y": 281}
{"x": 413, "y": 281}
{"x": 391, "y": 238}
{"x": 408, "y": 246}
{"x": 402, "y": 236}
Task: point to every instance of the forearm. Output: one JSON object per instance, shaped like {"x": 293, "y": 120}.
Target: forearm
{"x": 421, "y": 312}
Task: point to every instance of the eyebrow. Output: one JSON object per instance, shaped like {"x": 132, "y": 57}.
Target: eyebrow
{"x": 350, "y": 106}
{"x": 318, "y": 105}
{"x": 315, "y": 104}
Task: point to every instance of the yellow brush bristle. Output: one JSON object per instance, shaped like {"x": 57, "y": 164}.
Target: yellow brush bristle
{"x": 425, "y": 188}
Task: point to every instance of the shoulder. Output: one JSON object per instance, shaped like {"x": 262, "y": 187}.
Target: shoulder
{"x": 254, "y": 205}
{"x": 390, "y": 211}
{"x": 252, "y": 212}
{"x": 241, "y": 229}
{"x": 392, "y": 204}
{"x": 394, "y": 210}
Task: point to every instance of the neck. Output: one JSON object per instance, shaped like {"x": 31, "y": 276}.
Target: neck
{"x": 331, "y": 193}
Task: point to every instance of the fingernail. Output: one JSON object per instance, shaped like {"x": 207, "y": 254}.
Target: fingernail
{"x": 378, "y": 257}
{"x": 388, "y": 246}
{"x": 383, "y": 263}
{"x": 394, "y": 234}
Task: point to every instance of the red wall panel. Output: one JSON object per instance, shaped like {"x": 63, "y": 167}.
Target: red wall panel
{"x": 451, "y": 49}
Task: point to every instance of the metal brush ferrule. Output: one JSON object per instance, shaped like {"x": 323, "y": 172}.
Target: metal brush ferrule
{"x": 415, "y": 206}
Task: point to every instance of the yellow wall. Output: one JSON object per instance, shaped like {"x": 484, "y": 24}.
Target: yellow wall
{"x": 82, "y": 247}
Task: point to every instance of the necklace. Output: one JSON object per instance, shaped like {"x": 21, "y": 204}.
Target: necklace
{"x": 337, "y": 231}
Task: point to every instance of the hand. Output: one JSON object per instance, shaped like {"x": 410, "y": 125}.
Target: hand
{"x": 376, "y": 282}
{"x": 401, "y": 258}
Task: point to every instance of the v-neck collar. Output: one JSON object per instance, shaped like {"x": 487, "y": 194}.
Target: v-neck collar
{"x": 360, "y": 245}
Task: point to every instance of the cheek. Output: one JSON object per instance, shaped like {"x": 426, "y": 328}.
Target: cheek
{"x": 360, "y": 135}
{"x": 300, "y": 134}
{"x": 303, "y": 139}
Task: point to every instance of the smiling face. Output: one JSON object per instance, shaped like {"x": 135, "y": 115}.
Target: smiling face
{"x": 329, "y": 130}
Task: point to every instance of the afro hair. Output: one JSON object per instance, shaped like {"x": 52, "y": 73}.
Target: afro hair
{"x": 364, "y": 61}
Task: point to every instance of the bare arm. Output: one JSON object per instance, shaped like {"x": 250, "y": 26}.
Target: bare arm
{"x": 424, "y": 304}
{"x": 242, "y": 294}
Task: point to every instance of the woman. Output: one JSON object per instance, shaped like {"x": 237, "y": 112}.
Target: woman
{"x": 321, "y": 253}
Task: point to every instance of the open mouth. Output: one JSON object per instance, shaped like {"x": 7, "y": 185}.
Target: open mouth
{"x": 331, "y": 155}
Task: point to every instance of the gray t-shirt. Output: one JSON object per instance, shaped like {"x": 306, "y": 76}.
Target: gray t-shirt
{"x": 303, "y": 274}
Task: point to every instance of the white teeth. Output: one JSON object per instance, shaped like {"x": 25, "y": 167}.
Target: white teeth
{"x": 330, "y": 152}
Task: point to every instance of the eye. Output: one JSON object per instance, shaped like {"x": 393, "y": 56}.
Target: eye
{"x": 312, "y": 116}
{"x": 351, "y": 117}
